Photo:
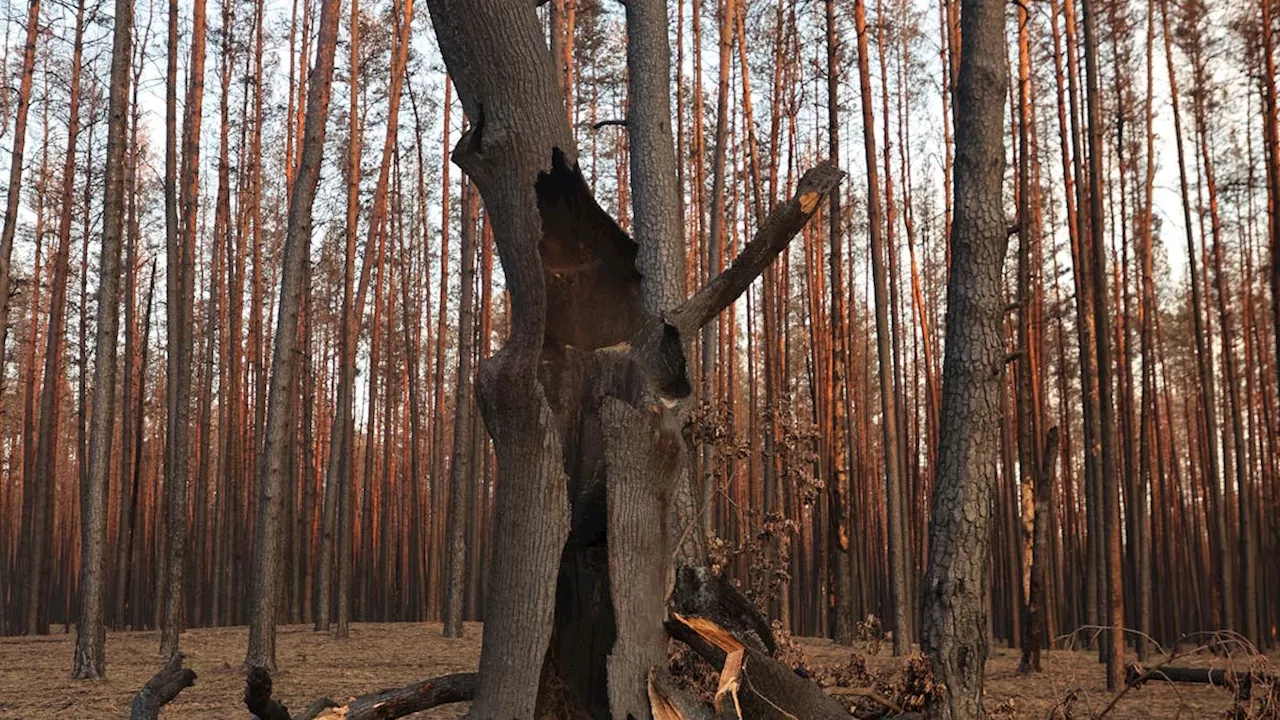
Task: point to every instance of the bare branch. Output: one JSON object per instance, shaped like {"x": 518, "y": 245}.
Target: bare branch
{"x": 774, "y": 235}
{"x": 162, "y": 688}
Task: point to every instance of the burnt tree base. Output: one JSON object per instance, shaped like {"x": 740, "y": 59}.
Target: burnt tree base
{"x": 161, "y": 689}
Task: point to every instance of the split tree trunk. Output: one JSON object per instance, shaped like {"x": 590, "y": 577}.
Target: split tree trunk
{"x": 582, "y": 402}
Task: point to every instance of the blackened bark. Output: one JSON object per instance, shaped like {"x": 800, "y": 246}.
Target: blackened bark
{"x": 46, "y": 461}
{"x": 655, "y": 194}
{"x": 1109, "y": 471}
{"x": 839, "y": 570}
{"x": 1035, "y": 634}
{"x": 584, "y": 356}
{"x": 884, "y": 355}
{"x": 954, "y": 628}
{"x": 162, "y": 688}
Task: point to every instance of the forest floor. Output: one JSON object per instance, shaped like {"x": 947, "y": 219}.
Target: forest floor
{"x": 34, "y": 674}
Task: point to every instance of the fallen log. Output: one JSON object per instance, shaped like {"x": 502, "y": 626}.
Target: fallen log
{"x": 162, "y": 688}
{"x": 412, "y": 698}
{"x": 755, "y": 685}
{"x": 381, "y": 705}
{"x": 1238, "y": 681}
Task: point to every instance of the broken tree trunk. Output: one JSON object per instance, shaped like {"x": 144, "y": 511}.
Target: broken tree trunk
{"x": 752, "y": 683}
{"x": 585, "y": 402}
{"x": 162, "y": 688}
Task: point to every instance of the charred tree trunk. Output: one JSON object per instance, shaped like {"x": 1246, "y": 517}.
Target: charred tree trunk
{"x": 892, "y": 454}
{"x": 461, "y": 472}
{"x": 16, "y": 166}
{"x": 954, "y": 628}
{"x": 581, "y": 402}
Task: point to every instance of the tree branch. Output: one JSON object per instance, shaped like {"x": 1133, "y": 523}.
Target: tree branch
{"x": 772, "y": 238}
{"x": 163, "y": 687}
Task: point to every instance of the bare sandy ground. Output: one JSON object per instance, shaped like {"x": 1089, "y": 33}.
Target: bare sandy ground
{"x": 34, "y": 680}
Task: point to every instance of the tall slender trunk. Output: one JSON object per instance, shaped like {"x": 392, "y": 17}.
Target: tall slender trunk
{"x": 954, "y": 627}
{"x": 181, "y": 288}
{"x": 840, "y": 594}
{"x": 90, "y": 652}
{"x": 1110, "y": 482}
{"x": 338, "y": 481}
{"x": 16, "y": 167}
{"x": 888, "y": 396}
{"x": 267, "y": 570}
{"x": 461, "y": 468}
{"x": 46, "y": 466}
{"x": 1223, "y": 591}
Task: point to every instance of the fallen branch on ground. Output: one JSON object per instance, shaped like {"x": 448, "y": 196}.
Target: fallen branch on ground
{"x": 1136, "y": 675}
{"x": 381, "y": 705}
{"x": 869, "y": 693}
{"x": 163, "y": 687}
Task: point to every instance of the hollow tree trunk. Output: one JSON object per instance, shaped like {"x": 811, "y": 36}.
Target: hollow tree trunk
{"x": 583, "y": 402}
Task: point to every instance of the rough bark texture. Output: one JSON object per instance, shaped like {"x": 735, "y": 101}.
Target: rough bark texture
{"x": 1110, "y": 482}
{"x": 954, "y": 627}
{"x": 839, "y": 604}
{"x": 267, "y": 557}
{"x": 655, "y": 192}
{"x": 91, "y": 632}
{"x": 46, "y": 461}
{"x": 518, "y": 119}
{"x": 1035, "y": 636}
{"x": 638, "y": 495}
